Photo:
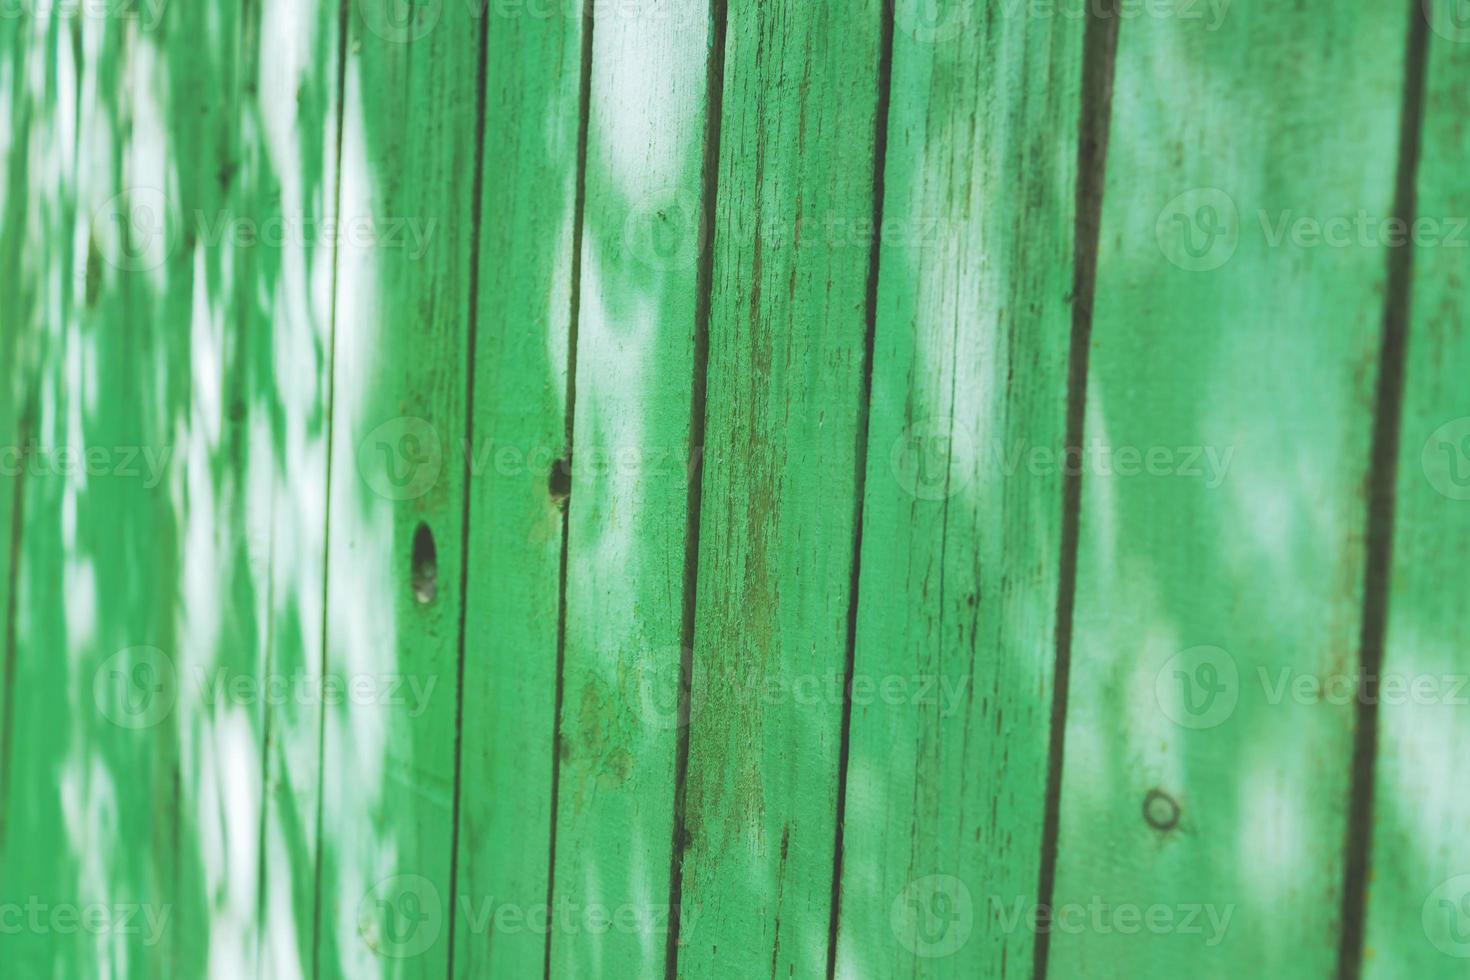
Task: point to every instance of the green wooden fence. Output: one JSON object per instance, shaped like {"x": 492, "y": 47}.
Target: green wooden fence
{"x": 702, "y": 489}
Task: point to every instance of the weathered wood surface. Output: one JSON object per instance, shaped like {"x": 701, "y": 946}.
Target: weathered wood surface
{"x": 784, "y": 422}
{"x": 518, "y": 444}
{"x": 904, "y": 488}
{"x": 955, "y": 631}
{"x": 1246, "y": 363}
{"x": 638, "y": 368}
{"x": 395, "y": 521}
{"x": 1420, "y": 862}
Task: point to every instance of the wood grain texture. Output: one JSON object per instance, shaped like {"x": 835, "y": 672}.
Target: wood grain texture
{"x": 318, "y": 659}
{"x": 1417, "y": 918}
{"x": 519, "y": 450}
{"x": 788, "y": 321}
{"x": 955, "y": 632}
{"x": 1233, "y": 361}
{"x": 395, "y": 537}
{"x": 628, "y": 522}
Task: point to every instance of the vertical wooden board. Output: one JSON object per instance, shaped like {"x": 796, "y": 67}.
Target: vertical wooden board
{"x": 220, "y": 614}
{"x": 17, "y": 108}
{"x": 100, "y": 573}
{"x": 396, "y": 495}
{"x": 955, "y": 643}
{"x": 1229, "y": 414}
{"x": 533, "y": 90}
{"x": 1418, "y": 918}
{"x": 628, "y": 518}
{"x": 787, "y": 353}
{"x": 127, "y": 294}
{"x": 39, "y": 858}
{"x": 287, "y": 173}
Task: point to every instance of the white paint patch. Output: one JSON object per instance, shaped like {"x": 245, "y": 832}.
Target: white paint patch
{"x": 647, "y": 92}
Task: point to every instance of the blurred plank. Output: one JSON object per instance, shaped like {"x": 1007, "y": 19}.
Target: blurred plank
{"x": 956, "y": 619}
{"x": 287, "y": 173}
{"x": 220, "y": 599}
{"x": 114, "y": 575}
{"x": 787, "y": 356}
{"x": 18, "y": 108}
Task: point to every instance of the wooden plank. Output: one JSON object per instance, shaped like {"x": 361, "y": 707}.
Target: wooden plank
{"x": 787, "y": 361}
{"x": 218, "y": 601}
{"x": 95, "y": 821}
{"x": 533, "y": 92}
{"x": 1417, "y": 915}
{"x": 288, "y": 174}
{"x": 629, "y": 514}
{"x": 396, "y": 503}
{"x": 955, "y": 639}
{"x": 1229, "y": 417}
{"x": 18, "y": 108}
